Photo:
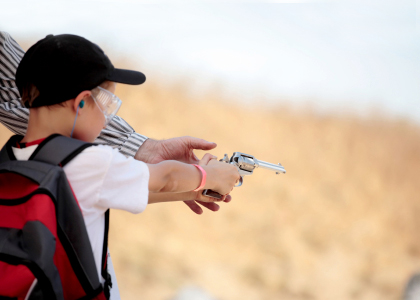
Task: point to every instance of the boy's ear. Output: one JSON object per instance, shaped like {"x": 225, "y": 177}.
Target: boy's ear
{"x": 78, "y": 100}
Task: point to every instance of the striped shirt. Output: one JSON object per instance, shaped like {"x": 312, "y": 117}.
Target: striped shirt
{"x": 118, "y": 134}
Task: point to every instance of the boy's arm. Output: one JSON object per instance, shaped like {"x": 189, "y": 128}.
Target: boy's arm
{"x": 175, "y": 177}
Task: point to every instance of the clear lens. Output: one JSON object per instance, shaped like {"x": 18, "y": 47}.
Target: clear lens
{"x": 107, "y": 102}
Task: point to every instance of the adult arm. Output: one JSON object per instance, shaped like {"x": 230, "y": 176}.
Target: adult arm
{"x": 12, "y": 114}
{"x": 186, "y": 196}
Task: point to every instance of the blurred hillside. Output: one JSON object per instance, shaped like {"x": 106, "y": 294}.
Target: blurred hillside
{"x": 341, "y": 224}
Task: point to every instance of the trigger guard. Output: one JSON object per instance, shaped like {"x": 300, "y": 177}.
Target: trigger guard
{"x": 241, "y": 180}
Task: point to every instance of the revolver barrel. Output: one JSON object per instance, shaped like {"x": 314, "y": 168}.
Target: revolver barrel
{"x": 266, "y": 165}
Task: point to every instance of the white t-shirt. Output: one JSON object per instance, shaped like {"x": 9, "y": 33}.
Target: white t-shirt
{"x": 103, "y": 178}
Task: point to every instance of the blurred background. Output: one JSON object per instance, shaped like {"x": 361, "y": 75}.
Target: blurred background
{"x": 329, "y": 89}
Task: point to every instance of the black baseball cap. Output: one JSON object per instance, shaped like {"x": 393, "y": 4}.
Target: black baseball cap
{"x": 62, "y": 66}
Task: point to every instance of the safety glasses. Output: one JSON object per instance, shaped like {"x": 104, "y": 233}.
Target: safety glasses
{"x": 108, "y": 103}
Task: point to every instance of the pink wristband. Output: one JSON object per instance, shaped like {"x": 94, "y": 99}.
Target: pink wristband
{"x": 203, "y": 178}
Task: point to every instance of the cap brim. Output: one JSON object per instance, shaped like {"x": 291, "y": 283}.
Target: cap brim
{"x": 127, "y": 77}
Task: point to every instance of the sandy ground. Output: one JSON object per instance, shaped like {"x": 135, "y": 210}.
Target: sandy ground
{"x": 341, "y": 224}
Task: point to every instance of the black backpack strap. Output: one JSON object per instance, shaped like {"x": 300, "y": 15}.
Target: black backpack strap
{"x": 57, "y": 149}
{"x": 104, "y": 272}
{"x": 6, "y": 153}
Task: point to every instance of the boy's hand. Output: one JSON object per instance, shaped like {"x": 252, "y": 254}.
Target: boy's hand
{"x": 180, "y": 149}
{"x": 221, "y": 177}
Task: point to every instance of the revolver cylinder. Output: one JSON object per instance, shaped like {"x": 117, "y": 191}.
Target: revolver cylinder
{"x": 244, "y": 162}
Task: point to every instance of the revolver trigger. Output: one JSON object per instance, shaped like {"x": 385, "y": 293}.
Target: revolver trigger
{"x": 241, "y": 180}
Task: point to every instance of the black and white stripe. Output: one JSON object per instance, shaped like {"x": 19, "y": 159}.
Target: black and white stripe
{"x": 118, "y": 134}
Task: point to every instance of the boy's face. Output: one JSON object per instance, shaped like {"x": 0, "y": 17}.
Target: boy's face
{"x": 92, "y": 121}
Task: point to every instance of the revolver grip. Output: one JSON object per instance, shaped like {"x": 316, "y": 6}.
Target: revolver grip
{"x": 216, "y": 195}
{"x": 212, "y": 194}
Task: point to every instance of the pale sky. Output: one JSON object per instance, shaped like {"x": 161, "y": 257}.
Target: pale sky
{"x": 339, "y": 54}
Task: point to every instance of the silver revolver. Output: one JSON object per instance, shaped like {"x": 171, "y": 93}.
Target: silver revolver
{"x": 246, "y": 164}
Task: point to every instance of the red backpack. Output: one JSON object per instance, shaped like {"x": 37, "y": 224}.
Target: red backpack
{"x": 45, "y": 252}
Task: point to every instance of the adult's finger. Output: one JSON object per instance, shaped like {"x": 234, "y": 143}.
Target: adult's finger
{"x": 228, "y": 198}
{"x": 210, "y": 205}
{"x": 194, "y": 206}
{"x": 196, "y": 143}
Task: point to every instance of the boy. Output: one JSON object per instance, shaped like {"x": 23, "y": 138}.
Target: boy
{"x": 118, "y": 134}
{"x": 68, "y": 84}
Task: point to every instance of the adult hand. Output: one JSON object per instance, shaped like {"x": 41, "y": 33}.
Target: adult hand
{"x": 213, "y": 206}
{"x": 181, "y": 149}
